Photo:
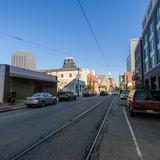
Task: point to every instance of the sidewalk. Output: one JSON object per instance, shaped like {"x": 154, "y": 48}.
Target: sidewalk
{"x": 115, "y": 141}
{"x": 9, "y": 107}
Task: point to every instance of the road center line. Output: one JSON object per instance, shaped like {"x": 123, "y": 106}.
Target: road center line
{"x": 133, "y": 136}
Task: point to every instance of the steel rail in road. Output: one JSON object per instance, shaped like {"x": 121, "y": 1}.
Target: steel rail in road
{"x": 89, "y": 153}
{"x": 19, "y": 155}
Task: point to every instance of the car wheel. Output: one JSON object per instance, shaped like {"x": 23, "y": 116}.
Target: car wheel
{"x": 131, "y": 113}
{"x": 43, "y": 104}
{"x": 29, "y": 106}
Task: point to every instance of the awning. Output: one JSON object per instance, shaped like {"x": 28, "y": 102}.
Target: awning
{"x": 29, "y": 74}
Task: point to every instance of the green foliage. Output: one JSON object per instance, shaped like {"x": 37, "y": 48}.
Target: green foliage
{"x": 139, "y": 85}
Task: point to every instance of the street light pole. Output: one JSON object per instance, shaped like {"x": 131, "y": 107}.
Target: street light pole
{"x": 78, "y": 82}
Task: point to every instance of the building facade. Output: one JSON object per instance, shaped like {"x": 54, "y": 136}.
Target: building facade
{"x": 126, "y": 81}
{"x": 24, "y": 82}
{"x": 23, "y": 59}
{"x": 139, "y": 74}
{"x": 70, "y": 77}
{"x": 103, "y": 83}
{"x": 133, "y": 44}
{"x": 151, "y": 45}
{"x": 129, "y": 63}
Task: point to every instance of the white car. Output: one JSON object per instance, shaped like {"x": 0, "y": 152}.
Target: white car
{"x": 124, "y": 95}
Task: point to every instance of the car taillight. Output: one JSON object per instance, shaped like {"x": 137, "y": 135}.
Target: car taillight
{"x": 133, "y": 103}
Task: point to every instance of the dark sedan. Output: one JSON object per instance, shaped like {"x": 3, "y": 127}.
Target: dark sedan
{"x": 40, "y": 99}
{"x": 66, "y": 96}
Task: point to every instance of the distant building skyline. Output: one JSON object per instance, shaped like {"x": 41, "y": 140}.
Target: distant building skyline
{"x": 139, "y": 61}
{"x": 133, "y": 44}
{"x": 23, "y": 59}
{"x": 128, "y": 59}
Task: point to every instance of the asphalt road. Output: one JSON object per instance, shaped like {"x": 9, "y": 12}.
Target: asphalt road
{"x": 21, "y": 128}
{"x": 122, "y": 138}
{"x": 128, "y": 138}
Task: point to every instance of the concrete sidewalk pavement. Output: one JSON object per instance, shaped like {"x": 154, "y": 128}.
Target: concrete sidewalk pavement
{"x": 12, "y": 106}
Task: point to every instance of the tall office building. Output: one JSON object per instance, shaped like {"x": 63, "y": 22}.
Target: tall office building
{"x": 151, "y": 45}
{"x": 133, "y": 44}
{"x": 139, "y": 62}
{"x": 129, "y": 63}
{"x": 23, "y": 59}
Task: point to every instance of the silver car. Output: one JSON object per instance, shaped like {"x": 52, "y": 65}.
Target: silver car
{"x": 40, "y": 99}
{"x": 124, "y": 95}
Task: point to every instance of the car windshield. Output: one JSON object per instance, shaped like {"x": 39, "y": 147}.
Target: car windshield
{"x": 125, "y": 92}
{"x": 142, "y": 95}
{"x": 62, "y": 93}
{"x": 37, "y": 95}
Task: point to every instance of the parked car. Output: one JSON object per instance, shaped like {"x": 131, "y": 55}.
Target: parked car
{"x": 114, "y": 93}
{"x": 142, "y": 101}
{"x": 103, "y": 93}
{"x": 86, "y": 94}
{"x": 40, "y": 99}
{"x": 89, "y": 93}
{"x": 67, "y": 96}
{"x": 93, "y": 93}
{"x": 124, "y": 95}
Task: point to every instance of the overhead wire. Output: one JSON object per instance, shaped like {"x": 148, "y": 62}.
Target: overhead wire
{"x": 92, "y": 32}
{"x": 56, "y": 51}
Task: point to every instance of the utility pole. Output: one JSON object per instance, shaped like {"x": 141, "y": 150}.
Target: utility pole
{"x": 78, "y": 83}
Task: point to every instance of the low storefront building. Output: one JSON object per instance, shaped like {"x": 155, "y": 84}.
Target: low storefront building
{"x": 24, "y": 82}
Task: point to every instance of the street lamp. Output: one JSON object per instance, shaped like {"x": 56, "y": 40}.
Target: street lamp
{"x": 78, "y": 83}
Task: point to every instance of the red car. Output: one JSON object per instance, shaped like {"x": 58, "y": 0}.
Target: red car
{"x": 143, "y": 101}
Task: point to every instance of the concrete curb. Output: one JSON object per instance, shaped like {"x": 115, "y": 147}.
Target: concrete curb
{"x": 12, "y": 109}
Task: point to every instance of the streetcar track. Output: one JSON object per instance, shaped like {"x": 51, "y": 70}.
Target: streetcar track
{"x": 92, "y": 146}
{"x": 24, "y": 152}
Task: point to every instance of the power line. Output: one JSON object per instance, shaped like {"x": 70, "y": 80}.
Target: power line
{"x": 93, "y": 34}
{"x": 56, "y": 51}
{"x": 33, "y": 43}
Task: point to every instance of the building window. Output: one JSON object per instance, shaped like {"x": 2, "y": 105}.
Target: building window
{"x": 147, "y": 66}
{"x": 152, "y": 46}
{"x": 153, "y": 60}
{"x": 61, "y": 75}
{"x": 159, "y": 56}
{"x": 158, "y": 14}
{"x": 146, "y": 53}
{"x": 151, "y": 28}
{"x": 158, "y": 35}
{"x": 145, "y": 39}
{"x": 70, "y": 75}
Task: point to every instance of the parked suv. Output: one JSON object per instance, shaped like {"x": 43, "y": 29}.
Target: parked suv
{"x": 66, "y": 96}
{"x": 142, "y": 101}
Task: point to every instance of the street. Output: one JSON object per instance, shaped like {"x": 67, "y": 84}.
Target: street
{"x": 76, "y": 124}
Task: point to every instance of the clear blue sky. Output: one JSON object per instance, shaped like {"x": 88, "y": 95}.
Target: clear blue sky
{"x": 59, "y": 24}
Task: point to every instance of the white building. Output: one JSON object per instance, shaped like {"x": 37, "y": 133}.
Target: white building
{"x": 23, "y": 59}
{"x": 70, "y": 76}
